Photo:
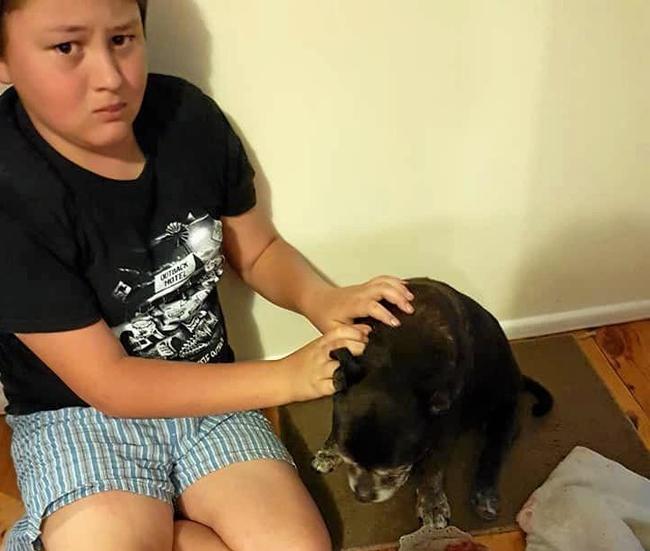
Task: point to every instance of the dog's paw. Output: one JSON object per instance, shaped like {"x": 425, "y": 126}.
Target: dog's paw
{"x": 433, "y": 509}
{"x": 325, "y": 461}
{"x": 486, "y": 503}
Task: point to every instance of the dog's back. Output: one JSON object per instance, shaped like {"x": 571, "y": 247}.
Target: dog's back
{"x": 450, "y": 345}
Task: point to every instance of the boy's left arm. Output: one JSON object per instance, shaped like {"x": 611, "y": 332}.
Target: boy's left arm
{"x": 277, "y": 271}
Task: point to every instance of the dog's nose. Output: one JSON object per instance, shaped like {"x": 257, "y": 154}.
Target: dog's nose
{"x": 365, "y": 495}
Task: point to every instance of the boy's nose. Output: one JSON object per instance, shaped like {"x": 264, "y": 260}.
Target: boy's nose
{"x": 106, "y": 73}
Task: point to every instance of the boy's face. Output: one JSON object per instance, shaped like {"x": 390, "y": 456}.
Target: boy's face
{"x": 69, "y": 60}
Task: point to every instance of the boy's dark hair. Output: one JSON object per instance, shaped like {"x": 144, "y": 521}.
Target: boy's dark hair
{"x": 7, "y": 5}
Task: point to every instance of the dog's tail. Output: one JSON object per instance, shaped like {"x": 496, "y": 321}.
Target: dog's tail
{"x": 543, "y": 396}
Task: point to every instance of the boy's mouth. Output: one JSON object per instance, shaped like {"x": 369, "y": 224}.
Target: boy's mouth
{"x": 115, "y": 108}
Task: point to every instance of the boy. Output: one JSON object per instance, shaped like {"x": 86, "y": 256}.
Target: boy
{"x": 120, "y": 191}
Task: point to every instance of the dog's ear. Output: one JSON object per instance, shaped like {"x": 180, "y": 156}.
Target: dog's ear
{"x": 349, "y": 371}
{"x": 440, "y": 402}
{"x": 441, "y": 399}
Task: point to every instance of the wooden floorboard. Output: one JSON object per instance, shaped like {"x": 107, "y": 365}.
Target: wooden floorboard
{"x": 617, "y": 388}
{"x": 627, "y": 348}
{"x": 10, "y": 506}
{"x": 7, "y": 475}
{"x": 508, "y": 541}
{"x": 620, "y": 354}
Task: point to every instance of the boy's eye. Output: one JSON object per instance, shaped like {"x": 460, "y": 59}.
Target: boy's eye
{"x": 122, "y": 39}
{"x": 64, "y": 48}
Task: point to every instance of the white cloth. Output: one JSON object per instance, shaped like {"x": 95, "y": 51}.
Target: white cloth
{"x": 588, "y": 503}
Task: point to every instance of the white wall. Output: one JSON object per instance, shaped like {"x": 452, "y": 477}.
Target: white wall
{"x": 501, "y": 146}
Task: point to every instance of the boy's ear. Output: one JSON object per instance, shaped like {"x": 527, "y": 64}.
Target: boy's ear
{"x": 349, "y": 371}
{"x": 5, "y": 78}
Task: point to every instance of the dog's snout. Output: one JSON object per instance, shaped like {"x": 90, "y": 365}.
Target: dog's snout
{"x": 365, "y": 495}
{"x": 361, "y": 484}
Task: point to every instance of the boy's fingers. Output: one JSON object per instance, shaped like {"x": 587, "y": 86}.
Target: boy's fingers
{"x": 353, "y": 332}
{"x": 325, "y": 385}
{"x": 380, "y": 313}
{"x": 364, "y": 328}
{"x": 396, "y": 283}
{"x": 331, "y": 367}
{"x": 328, "y": 387}
{"x": 395, "y": 296}
{"x": 356, "y": 348}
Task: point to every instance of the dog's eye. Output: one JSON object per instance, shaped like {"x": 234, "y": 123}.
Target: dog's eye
{"x": 388, "y": 478}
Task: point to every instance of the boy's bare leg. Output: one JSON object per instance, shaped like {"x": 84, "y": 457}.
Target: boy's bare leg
{"x": 193, "y": 536}
{"x": 108, "y": 521}
{"x": 257, "y": 505}
{"x": 187, "y": 535}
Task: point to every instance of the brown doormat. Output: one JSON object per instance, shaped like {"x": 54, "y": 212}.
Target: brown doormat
{"x": 584, "y": 414}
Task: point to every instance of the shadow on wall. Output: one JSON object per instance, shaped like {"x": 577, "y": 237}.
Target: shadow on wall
{"x": 587, "y": 263}
{"x": 180, "y": 44}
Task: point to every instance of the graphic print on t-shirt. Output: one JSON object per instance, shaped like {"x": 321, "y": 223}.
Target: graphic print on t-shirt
{"x": 173, "y": 311}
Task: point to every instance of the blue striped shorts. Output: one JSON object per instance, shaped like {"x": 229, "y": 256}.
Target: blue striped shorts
{"x": 64, "y": 455}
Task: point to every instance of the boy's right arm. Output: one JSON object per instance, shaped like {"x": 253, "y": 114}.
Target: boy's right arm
{"x": 93, "y": 363}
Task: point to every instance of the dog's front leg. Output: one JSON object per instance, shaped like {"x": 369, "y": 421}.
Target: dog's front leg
{"x": 432, "y": 504}
{"x": 433, "y": 507}
{"x": 327, "y": 458}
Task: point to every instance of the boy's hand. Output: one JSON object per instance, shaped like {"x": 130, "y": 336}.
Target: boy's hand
{"x": 337, "y": 306}
{"x": 308, "y": 372}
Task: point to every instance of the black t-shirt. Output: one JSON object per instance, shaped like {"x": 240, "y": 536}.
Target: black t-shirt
{"x": 144, "y": 255}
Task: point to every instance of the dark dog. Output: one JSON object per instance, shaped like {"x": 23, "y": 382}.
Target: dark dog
{"x": 399, "y": 407}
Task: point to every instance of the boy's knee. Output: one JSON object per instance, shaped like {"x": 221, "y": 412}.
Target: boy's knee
{"x": 313, "y": 540}
{"x": 107, "y": 521}
{"x": 318, "y": 543}
{"x": 301, "y": 545}
{"x": 316, "y": 538}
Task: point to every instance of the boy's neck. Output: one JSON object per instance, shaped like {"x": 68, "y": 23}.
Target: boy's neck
{"x": 123, "y": 161}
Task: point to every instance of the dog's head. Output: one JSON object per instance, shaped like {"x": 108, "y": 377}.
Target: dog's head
{"x": 385, "y": 416}
{"x": 378, "y": 439}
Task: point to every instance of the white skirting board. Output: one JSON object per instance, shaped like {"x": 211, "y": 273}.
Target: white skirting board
{"x": 574, "y": 320}
{"x": 596, "y": 316}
